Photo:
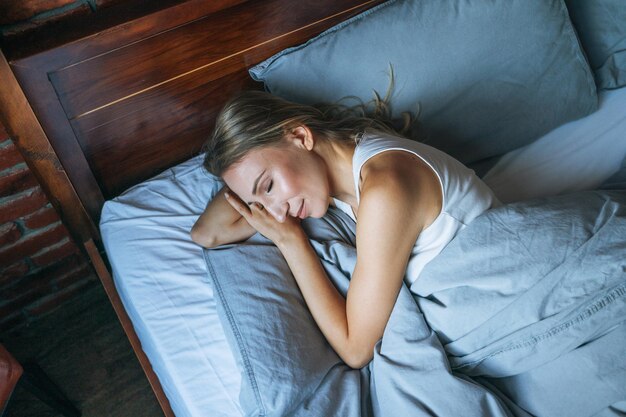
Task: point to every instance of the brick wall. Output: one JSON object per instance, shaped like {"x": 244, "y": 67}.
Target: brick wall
{"x": 40, "y": 266}
{"x": 17, "y": 16}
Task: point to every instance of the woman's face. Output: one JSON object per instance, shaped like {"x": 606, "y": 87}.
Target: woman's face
{"x": 288, "y": 180}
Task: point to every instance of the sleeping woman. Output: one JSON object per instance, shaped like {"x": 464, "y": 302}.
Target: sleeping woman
{"x": 283, "y": 162}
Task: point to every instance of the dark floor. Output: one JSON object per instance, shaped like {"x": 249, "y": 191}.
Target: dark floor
{"x": 82, "y": 348}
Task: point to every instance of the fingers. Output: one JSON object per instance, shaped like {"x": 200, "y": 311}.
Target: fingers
{"x": 256, "y": 208}
{"x": 246, "y": 210}
{"x": 237, "y": 204}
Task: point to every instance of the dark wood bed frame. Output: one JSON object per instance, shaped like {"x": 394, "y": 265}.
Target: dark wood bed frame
{"x": 97, "y": 108}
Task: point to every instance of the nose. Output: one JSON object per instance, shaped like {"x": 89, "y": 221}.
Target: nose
{"x": 278, "y": 211}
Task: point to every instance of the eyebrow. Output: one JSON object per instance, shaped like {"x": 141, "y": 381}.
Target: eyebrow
{"x": 256, "y": 182}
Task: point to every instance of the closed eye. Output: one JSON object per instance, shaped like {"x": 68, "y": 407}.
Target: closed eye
{"x": 269, "y": 187}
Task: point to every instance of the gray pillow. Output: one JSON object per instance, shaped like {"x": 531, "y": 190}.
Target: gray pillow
{"x": 287, "y": 366}
{"x": 486, "y": 76}
{"x": 601, "y": 25}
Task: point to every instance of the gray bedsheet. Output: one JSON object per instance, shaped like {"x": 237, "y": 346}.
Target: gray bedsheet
{"x": 523, "y": 313}
{"x": 529, "y": 299}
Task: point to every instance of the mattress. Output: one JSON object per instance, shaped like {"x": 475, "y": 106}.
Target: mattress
{"x": 162, "y": 279}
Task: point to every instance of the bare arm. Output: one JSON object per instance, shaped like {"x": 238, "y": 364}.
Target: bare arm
{"x": 220, "y": 223}
{"x": 396, "y": 205}
{"x": 400, "y": 197}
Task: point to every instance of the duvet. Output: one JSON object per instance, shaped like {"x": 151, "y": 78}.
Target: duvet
{"x": 523, "y": 313}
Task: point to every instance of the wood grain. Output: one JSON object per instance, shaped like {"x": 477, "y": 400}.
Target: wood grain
{"x": 30, "y": 139}
{"x": 97, "y": 110}
{"x": 121, "y": 105}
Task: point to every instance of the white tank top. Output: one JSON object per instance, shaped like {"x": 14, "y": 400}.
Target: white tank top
{"x": 465, "y": 196}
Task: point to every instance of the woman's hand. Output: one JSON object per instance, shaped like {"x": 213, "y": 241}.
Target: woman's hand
{"x": 220, "y": 224}
{"x": 263, "y": 222}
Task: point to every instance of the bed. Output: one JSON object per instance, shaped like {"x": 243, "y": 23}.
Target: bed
{"x": 112, "y": 119}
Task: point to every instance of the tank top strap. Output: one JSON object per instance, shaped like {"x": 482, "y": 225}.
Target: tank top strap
{"x": 372, "y": 144}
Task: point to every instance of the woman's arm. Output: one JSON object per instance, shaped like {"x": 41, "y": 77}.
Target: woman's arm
{"x": 400, "y": 196}
{"x": 220, "y": 223}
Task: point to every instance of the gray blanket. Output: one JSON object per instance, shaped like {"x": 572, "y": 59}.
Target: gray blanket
{"x": 523, "y": 313}
{"x": 530, "y": 295}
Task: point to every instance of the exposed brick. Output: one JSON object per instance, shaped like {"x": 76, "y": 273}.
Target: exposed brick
{"x": 16, "y": 180}
{"x": 12, "y": 11}
{"x": 84, "y": 273}
{"x": 43, "y": 291}
{"x": 22, "y": 204}
{"x": 46, "y": 277}
{"x": 53, "y": 301}
{"x": 23, "y": 300}
{"x": 13, "y": 272}
{"x": 32, "y": 243}
{"x": 9, "y": 233}
{"x": 41, "y": 218}
{"x": 54, "y": 253}
{"x": 27, "y": 285}
{"x": 65, "y": 266}
{"x": 39, "y": 293}
{"x": 9, "y": 155}
{"x": 46, "y": 20}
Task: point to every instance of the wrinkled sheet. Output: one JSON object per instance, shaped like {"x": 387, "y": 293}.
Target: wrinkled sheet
{"x": 159, "y": 271}
{"x": 529, "y": 300}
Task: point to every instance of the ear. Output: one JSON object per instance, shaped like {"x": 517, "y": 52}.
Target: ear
{"x": 302, "y": 136}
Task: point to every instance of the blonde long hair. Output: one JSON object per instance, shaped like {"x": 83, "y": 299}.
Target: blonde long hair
{"x": 254, "y": 119}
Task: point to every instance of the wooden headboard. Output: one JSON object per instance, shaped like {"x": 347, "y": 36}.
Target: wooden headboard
{"x": 98, "y": 108}
{"x": 122, "y": 103}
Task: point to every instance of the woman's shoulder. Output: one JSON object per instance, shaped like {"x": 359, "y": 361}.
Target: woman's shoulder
{"x": 395, "y": 167}
{"x": 392, "y": 176}
{"x": 372, "y": 150}
{"x": 399, "y": 178}
{"x": 388, "y": 157}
